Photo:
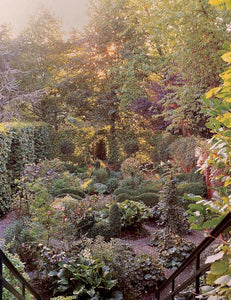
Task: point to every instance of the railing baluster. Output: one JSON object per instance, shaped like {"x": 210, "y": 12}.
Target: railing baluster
{"x": 173, "y": 287}
{"x": 197, "y": 288}
{"x": 23, "y": 290}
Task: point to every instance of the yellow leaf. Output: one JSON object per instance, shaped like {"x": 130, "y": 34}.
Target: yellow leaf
{"x": 225, "y": 119}
{"x": 227, "y": 182}
{"x": 227, "y": 57}
{"x": 212, "y": 92}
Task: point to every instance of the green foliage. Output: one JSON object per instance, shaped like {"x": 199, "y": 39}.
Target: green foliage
{"x": 133, "y": 213}
{"x": 100, "y": 175}
{"x": 122, "y": 197}
{"x": 219, "y": 276}
{"x": 120, "y": 190}
{"x": 195, "y": 188}
{"x": 161, "y": 142}
{"x": 131, "y": 182}
{"x": 115, "y": 220}
{"x": 167, "y": 211}
{"x": 67, "y": 147}
{"x": 101, "y": 228}
{"x": 183, "y": 153}
{"x": 112, "y": 184}
{"x": 77, "y": 192}
{"x": 149, "y": 199}
{"x": 136, "y": 274}
{"x": 85, "y": 278}
{"x": 130, "y": 167}
{"x": 192, "y": 176}
{"x": 20, "y": 143}
{"x": 131, "y": 147}
{"x": 172, "y": 249}
{"x": 203, "y": 213}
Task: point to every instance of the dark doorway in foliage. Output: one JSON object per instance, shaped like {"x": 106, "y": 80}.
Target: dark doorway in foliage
{"x": 100, "y": 150}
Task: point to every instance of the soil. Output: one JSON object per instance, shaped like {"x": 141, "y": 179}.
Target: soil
{"x": 139, "y": 241}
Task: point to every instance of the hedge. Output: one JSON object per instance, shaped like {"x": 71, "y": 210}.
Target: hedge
{"x": 20, "y": 143}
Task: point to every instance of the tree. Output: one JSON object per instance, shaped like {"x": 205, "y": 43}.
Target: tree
{"x": 12, "y": 97}
{"x": 193, "y": 33}
{"x": 43, "y": 54}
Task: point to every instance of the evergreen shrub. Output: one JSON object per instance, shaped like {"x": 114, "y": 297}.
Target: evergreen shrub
{"x": 196, "y": 188}
{"x": 20, "y": 143}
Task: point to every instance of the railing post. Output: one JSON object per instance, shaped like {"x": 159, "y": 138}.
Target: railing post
{"x": 0, "y": 277}
{"x": 173, "y": 287}
{"x": 197, "y": 288}
{"x": 23, "y": 290}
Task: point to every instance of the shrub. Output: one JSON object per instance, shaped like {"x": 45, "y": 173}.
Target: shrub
{"x": 67, "y": 147}
{"x": 20, "y": 239}
{"x": 183, "y": 152}
{"x": 114, "y": 220}
{"x": 149, "y": 199}
{"x": 195, "y": 188}
{"x": 20, "y": 143}
{"x": 133, "y": 213}
{"x": 169, "y": 214}
{"x": 130, "y": 167}
{"x": 131, "y": 182}
{"x": 131, "y": 147}
{"x": 120, "y": 190}
{"x": 77, "y": 192}
{"x": 101, "y": 228}
{"x": 122, "y": 197}
{"x": 136, "y": 274}
{"x": 193, "y": 176}
{"x": 100, "y": 175}
{"x": 112, "y": 184}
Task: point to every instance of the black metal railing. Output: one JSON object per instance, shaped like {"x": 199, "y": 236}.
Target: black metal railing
{"x": 195, "y": 256}
{"x": 5, "y": 284}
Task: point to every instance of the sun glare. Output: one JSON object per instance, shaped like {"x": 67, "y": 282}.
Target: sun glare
{"x": 111, "y": 49}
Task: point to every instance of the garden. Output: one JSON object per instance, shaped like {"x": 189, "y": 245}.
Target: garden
{"x": 115, "y": 149}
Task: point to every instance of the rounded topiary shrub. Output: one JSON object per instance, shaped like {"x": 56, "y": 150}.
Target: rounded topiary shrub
{"x": 115, "y": 220}
{"x": 196, "y": 188}
{"x": 67, "y": 147}
{"x": 131, "y": 147}
{"x": 149, "y": 199}
{"x": 131, "y": 167}
{"x": 100, "y": 175}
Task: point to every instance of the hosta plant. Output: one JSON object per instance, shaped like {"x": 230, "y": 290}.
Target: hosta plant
{"x": 86, "y": 278}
